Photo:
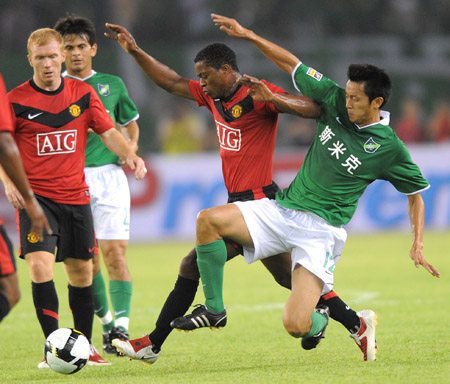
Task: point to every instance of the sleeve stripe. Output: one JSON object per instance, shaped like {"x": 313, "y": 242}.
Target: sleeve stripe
{"x": 419, "y": 191}
{"x": 293, "y": 75}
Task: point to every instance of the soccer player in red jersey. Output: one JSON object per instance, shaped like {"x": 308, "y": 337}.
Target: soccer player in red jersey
{"x": 51, "y": 119}
{"x": 13, "y": 167}
{"x": 247, "y": 132}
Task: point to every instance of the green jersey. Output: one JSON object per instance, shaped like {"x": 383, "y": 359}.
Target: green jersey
{"x": 345, "y": 158}
{"x": 114, "y": 96}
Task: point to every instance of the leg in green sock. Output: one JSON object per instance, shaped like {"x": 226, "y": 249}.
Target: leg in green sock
{"x": 120, "y": 293}
{"x": 211, "y": 260}
{"x": 101, "y": 306}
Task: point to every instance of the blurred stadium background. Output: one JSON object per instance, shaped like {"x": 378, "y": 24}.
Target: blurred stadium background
{"x": 409, "y": 38}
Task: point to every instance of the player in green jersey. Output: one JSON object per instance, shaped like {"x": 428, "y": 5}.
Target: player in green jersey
{"x": 353, "y": 147}
{"x": 110, "y": 194}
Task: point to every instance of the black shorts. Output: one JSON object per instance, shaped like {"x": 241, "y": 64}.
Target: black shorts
{"x": 72, "y": 226}
{"x": 7, "y": 261}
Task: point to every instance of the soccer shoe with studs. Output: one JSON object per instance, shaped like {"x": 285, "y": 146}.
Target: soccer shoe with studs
{"x": 365, "y": 337}
{"x": 138, "y": 349}
{"x": 200, "y": 318}
{"x": 108, "y": 348}
{"x": 96, "y": 359}
{"x": 118, "y": 333}
{"x": 312, "y": 342}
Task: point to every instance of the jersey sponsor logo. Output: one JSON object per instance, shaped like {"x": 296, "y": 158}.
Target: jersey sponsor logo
{"x": 314, "y": 74}
{"x": 74, "y": 110}
{"x": 31, "y": 117}
{"x": 229, "y": 138}
{"x": 236, "y": 111}
{"x": 370, "y": 146}
{"x": 103, "y": 89}
{"x": 56, "y": 143}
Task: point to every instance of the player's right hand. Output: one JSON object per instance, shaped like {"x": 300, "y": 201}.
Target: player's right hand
{"x": 122, "y": 36}
{"x": 39, "y": 221}
{"x": 14, "y": 196}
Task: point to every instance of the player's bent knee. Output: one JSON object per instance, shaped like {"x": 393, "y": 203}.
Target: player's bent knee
{"x": 295, "y": 327}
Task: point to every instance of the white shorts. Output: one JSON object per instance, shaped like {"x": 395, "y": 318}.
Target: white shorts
{"x": 313, "y": 242}
{"x": 110, "y": 201}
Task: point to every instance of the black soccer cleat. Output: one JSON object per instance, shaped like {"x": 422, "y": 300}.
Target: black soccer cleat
{"x": 108, "y": 348}
{"x": 312, "y": 342}
{"x": 117, "y": 333}
{"x": 200, "y": 318}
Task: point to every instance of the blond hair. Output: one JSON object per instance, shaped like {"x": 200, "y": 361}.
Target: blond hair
{"x": 44, "y": 36}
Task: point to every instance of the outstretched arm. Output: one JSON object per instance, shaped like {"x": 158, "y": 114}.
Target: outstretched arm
{"x": 416, "y": 210}
{"x": 284, "y": 102}
{"x": 280, "y": 56}
{"x": 117, "y": 144}
{"x": 159, "y": 73}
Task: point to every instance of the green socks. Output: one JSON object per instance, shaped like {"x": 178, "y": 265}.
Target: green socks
{"x": 318, "y": 322}
{"x": 120, "y": 293}
{"x": 211, "y": 260}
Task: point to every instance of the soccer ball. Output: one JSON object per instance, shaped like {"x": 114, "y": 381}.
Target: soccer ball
{"x": 66, "y": 350}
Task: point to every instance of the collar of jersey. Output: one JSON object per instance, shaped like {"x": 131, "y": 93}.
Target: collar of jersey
{"x": 65, "y": 74}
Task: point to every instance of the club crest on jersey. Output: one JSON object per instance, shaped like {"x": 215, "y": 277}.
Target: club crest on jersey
{"x": 236, "y": 111}
{"x": 104, "y": 90}
{"x": 33, "y": 237}
{"x": 314, "y": 74}
{"x": 74, "y": 110}
{"x": 370, "y": 146}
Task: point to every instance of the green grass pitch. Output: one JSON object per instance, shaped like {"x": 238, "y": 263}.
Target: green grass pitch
{"x": 374, "y": 272}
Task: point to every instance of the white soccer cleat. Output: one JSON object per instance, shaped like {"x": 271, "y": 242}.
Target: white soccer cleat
{"x": 138, "y": 349}
{"x": 365, "y": 337}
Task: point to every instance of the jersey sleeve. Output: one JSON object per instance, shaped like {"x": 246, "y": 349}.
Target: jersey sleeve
{"x": 6, "y": 122}
{"x": 312, "y": 83}
{"x": 100, "y": 121}
{"x": 126, "y": 111}
{"x": 198, "y": 94}
{"x": 404, "y": 174}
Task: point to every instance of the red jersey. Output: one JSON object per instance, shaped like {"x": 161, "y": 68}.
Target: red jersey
{"x": 6, "y": 123}
{"x": 51, "y": 129}
{"x": 247, "y": 133}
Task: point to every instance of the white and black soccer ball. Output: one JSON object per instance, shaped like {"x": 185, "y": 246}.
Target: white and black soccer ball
{"x": 66, "y": 350}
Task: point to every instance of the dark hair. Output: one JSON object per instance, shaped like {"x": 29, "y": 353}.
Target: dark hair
{"x": 377, "y": 82}
{"x": 216, "y": 55}
{"x": 76, "y": 25}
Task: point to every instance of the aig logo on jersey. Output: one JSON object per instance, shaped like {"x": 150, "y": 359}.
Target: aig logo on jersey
{"x": 229, "y": 138}
{"x": 56, "y": 143}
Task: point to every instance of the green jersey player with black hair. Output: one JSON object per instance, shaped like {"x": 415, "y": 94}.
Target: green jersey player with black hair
{"x": 353, "y": 147}
{"x": 108, "y": 185}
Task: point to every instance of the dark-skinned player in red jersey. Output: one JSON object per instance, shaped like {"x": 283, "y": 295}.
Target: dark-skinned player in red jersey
{"x": 247, "y": 132}
{"x": 11, "y": 164}
{"x": 51, "y": 119}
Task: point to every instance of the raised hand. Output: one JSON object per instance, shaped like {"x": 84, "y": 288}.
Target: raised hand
{"x": 122, "y": 36}
{"x": 230, "y": 26}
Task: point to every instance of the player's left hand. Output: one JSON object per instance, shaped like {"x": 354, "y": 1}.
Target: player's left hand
{"x": 138, "y": 165}
{"x": 230, "y": 26}
{"x": 256, "y": 88}
{"x": 122, "y": 36}
{"x": 419, "y": 260}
